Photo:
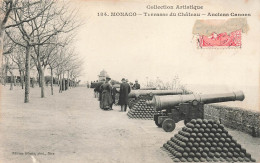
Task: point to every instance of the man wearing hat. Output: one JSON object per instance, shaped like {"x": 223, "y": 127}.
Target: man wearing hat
{"x": 123, "y": 94}
{"x": 136, "y": 85}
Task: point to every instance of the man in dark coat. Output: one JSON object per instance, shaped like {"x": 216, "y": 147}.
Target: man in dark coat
{"x": 136, "y": 85}
{"x": 123, "y": 94}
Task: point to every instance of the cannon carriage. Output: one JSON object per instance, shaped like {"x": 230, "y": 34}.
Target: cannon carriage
{"x": 186, "y": 107}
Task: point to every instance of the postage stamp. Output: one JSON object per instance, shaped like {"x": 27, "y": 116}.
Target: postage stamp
{"x": 224, "y": 33}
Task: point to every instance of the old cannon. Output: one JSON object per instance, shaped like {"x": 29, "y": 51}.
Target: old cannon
{"x": 137, "y": 99}
{"x": 186, "y": 107}
{"x": 151, "y": 93}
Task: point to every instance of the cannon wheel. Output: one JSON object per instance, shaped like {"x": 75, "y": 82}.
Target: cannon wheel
{"x": 156, "y": 120}
{"x": 168, "y": 125}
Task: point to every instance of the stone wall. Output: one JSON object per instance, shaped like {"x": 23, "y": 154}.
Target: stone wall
{"x": 235, "y": 118}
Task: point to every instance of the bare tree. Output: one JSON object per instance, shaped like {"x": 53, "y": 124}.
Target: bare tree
{"x": 42, "y": 26}
{"x": 6, "y": 8}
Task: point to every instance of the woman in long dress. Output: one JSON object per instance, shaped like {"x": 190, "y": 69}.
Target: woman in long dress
{"x": 107, "y": 100}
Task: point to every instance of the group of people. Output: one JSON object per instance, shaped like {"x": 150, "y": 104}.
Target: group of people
{"x": 107, "y": 93}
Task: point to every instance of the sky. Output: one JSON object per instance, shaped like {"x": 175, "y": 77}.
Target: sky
{"x": 140, "y": 47}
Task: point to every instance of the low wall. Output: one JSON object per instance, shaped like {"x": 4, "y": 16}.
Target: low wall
{"x": 235, "y": 118}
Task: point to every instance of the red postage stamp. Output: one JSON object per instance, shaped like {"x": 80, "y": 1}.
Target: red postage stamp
{"x": 222, "y": 39}
{"x": 220, "y": 33}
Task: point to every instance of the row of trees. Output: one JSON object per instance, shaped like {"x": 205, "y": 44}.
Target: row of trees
{"x": 39, "y": 34}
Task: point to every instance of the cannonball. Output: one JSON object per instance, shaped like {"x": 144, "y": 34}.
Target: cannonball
{"x": 191, "y": 139}
{"x": 187, "y": 149}
{"x": 202, "y": 144}
{"x": 223, "y": 154}
{"x": 176, "y": 160}
{"x": 178, "y": 155}
{"x": 189, "y": 144}
{"x": 225, "y": 149}
{"x": 212, "y": 149}
{"x": 204, "y": 126}
{"x": 192, "y": 154}
{"x": 218, "y": 149}
{"x": 208, "y": 144}
{"x": 197, "y": 139}
{"x": 185, "y": 155}
{"x": 214, "y": 144}
{"x": 195, "y": 159}
{"x": 199, "y": 121}
{"x": 183, "y": 160}
{"x": 235, "y": 154}
{"x": 193, "y": 121}
{"x": 217, "y": 154}
{"x": 189, "y": 159}
{"x": 230, "y": 149}
{"x": 210, "y": 139}
{"x": 220, "y": 144}
{"x": 197, "y": 125}
{"x": 205, "y": 121}
{"x": 200, "y": 135}
{"x": 202, "y": 159}
{"x": 216, "y": 140}
{"x": 206, "y": 149}
{"x": 209, "y": 159}
{"x": 206, "y": 135}
{"x": 207, "y": 130}
{"x": 198, "y": 155}
{"x": 203, "y": 139}
{"x": 211, "y": 155}
{"x": 196, "y": 144}
{"x": 212, "y": 135}
{"x": 201, "y": 130}
{"x": 196, "y": 130}
{"x": 240, "y": 159}
{"x": 209, "y": 125}
{"x": 204, "y": 154}
{"x": 235, "y": 159}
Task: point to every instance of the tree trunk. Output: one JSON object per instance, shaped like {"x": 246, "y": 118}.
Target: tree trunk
{"x": 60, "y": 81}
{"x": 68, "y": 83}
{"x": 42, "y": 82}
{"x": 63, "y": 82}
{"x": 21, "y": 77}
{"x": 51, "y": 81}
{"x": 58, "y": 76}
{"x": 1, "y": 52}
{"x": 27, "y": 75}
{"x": 12, "y": 81}
{"x": 39, "y": 78}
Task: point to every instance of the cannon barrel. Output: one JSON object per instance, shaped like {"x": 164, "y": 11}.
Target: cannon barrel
{"x": 165, "y": 102}
{"x": 148, "y": 88}
{"x": 136, "y": 93}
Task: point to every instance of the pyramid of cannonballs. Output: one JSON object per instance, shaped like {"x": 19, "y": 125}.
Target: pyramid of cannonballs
{"x": 139, "y": 109}
{"x": 205, "y": 141}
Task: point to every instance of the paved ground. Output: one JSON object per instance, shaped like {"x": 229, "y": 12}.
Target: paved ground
{"x": 70, "y": 127}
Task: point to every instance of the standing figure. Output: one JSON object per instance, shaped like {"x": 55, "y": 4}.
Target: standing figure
{"x": 123, "y": 94}
{"x": 114, "y": 92}
{"x": 106, "y": 100}
{"x": 136, "y": 85}
{"x": 99, "y": 91}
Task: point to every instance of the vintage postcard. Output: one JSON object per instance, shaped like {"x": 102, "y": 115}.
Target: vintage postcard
{"x": 120, "y": 81}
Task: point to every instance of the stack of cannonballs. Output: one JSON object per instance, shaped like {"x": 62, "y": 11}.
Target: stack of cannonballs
{"x": 139, "y": 109}
{"x": 205, "y": 141}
